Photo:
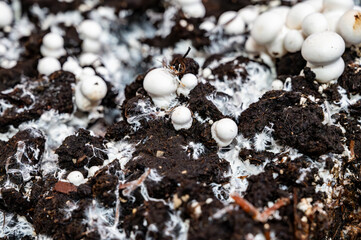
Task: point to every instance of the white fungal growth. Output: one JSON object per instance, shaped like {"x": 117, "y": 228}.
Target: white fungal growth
{"x": 161, "y": 85}
{"x": 181, "y": 118}
{"x": 48, "y": 65}
{"x": 224, "y": 131}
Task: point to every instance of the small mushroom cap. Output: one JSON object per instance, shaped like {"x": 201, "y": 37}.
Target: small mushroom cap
{"x": 181, "y": 118}
{"x": 314, "y": 23}
{"x": 72, "y": 66}
{"x": 207, "y": 26}
{"x": 297, "y": 13}
{"x": 232, "y": 23}
{"x": 293, "y": 41}
{"x": 189, "y": 80}
{"x": 277, "y": 85}
{"x": 90, "y": 29}
{"x": 349, "y": 27}
{"x": 196, "y": 10}
{"x": 160, "y": 82}
{"x": 48, "y": 65}
{"x": 75, "y": 177}
{"x": 327, "y": 73}
{"x": 53, "y": 41}
{"x": 91, "y": 46}
{"x": 93, "y": 88}
{"x": 323, "y": 48}
{"x": 6, "y": 15}
{"x": 331, "y": 5}
{"x": 281, "y": 11}
{"x": 224, "y": 131}
{"x": 249, "y": 14}
{"x": 266, "y": 27}
{"x": 93, "y": 170}
{"x": 188, "y": 2}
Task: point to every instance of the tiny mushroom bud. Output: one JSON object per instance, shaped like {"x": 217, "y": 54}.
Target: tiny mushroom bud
{"x": 181, "y": 118}
{"x": 161, "y": 85}
{"x": 349, "y": 27}
{"x": 93, "y": 170}
{"x": 266, "y": 27}
{"x": 90, "y": 29}
{"x": 314, "y": 23}
{"x": 293, "y": 41}
{"x": 6, "y": 15}
{"x": 297, "y": 13}
{"x": 93, "y": 88}
{"x": 75, "y": 177}
{"x": 188, "y": 82}
{"x": 224, "y": 131}
{"x": 232, "y": 23}
{"x": 323, "y": 48}
{"x": 331, "y": 5}
{"x": 329, "y": 72}
{"x": 207, "y": 26}
{"x": 48, "y": 65}
{"x": 277, "y": 85}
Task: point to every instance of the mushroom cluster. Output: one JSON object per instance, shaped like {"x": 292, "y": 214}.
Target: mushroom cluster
{"x": 320, "y": 28}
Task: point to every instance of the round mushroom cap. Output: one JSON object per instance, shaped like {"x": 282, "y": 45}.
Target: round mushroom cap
{"x": 224, "y": 131}
{"x": 323, "y": 48}
{"x": 276, "y": 47}
{"x": 48, "y": 65}
{"x": 297, "y": 13}
{"x": 281, "y": 11}
{"x": 349, "y": 27}
{"x": 331, "y": 5}
{"x": 189, "y": 80}
{"x": 232, "y": 23}
{"x": 181, "y": 118}
{"x": 314, "y": 23}
{"x": 75, "y": 177}
{"x": 53, "y": 41}
{"x": 316, "y": 4}
{"x": 6, "y": 15}
{"x": 249, "y": 14}
{"x": 196, "y": 10}
{"x": 90, "y": 29}
{"x": 92, "y": 170}
{"x": 327, "y": 73}
{"x": 266, "y": 27}
{"x": 293, "y": 41}
{"x": 160, "y": 82}
{"x": 93, "y": 88}
{"x": 277, "y": 85}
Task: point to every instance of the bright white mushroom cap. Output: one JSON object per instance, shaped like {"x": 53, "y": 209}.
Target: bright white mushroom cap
{"x": 277, "y": 85}
{"x": 90, "y": 29}
{"x": 89, "y": 59}
{"x": 332, "y": 19}
{"x": 297, "y": 13}
{"x": 249, "y": 14}
{"x": 6, "y": 15}
{"x": 207, "y": 26}
{"x": 92, "y": 170}
{"x": 224, "y": 131}
{"x": 266, "y": 27}
{"x": 349, "y": 27}
{"x": 276, "y": 47}
{"x": 91, "y": 46}
{"x": 196, "y": 10}
{"x": 331, "y": 5}
{"x": 323, "y": 48}
{"x": 181, "y": 118}
{"x": 93, "y": 88}
{"x": 48, "y": 65}
{"x": 330, "y": 72}
{"x": 314, "y": 23}
{"x": 232, "y": 22}
{"x": 189, "y": 82}
{"x": 281, "y": 11}
{"x": 293, "y": 41}
{"x": 75, "y": 177}
{"x": 72, "y": 66}
{"x": 53, "y": 41}
{"x": 161, "y": 85}
{"x": 316, "y": 4}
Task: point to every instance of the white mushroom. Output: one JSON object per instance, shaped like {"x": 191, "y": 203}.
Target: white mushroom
{"x": 316, "y": 4}
{"x": 323, "y": 48}
{"x": 252, "y": 46}
{"x": 207, "y": 26}
{"x": 53, "y": 46}
{"x": 161, "y": 85}
{"x": 276, "y": 47}
{"x": 181, "y": 118}
{"x": 91, "y": 46}
{"x": 232, "y": 23}
{"x": 314, "y": 23}
{"x": 76, "y": 178}
{"x": 249, "y": 14}
{"x": 224, "y": 131}
{"x": 277, "y": 85}
{"x": 48, "y": 65}
{"x": 93, "y": 88}
{"x": 266, "y": 28}
{"x": 293, "y": 41}
{"x": 196, "y": 10}
{"x": 90, "y": 29}
{"x": 332, "y": 19}
{"x": 297, "y": 13}
{"x": 6, "y": 15}
{"x": 331, "y": 5}
{"x": 188, "y": 82}
{"x": 92, "y": 170}
{"x": 281, "y": 11}
{"x": 72, "y": 66}
{"x": 349, "y": 27}
{"x": 89, "y": 59}
{"x": 330, "y": 72}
